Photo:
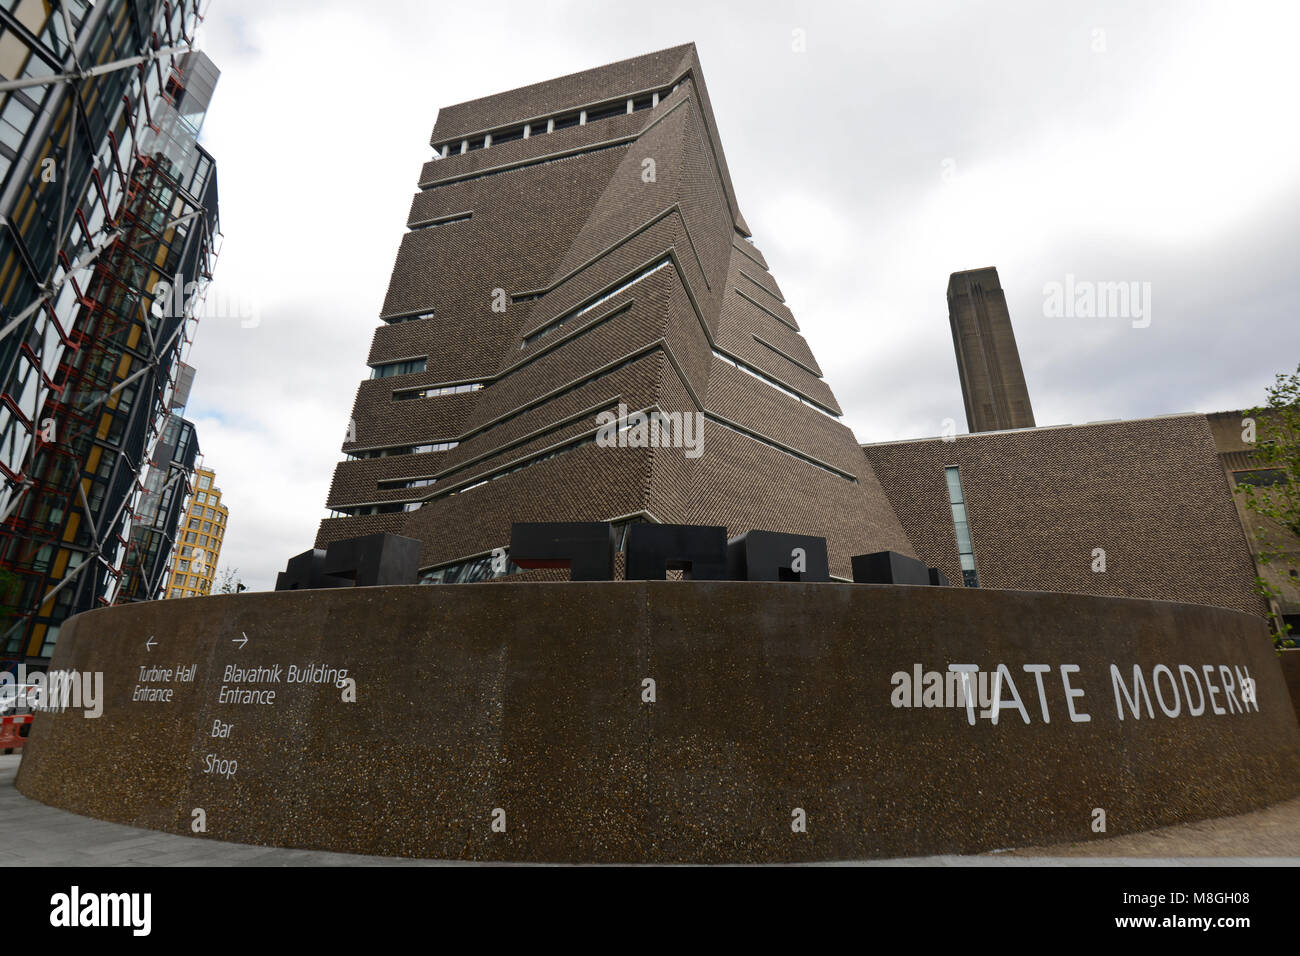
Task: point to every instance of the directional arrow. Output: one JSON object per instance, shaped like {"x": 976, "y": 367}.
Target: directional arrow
{"x": 148, "y": 645}
{"x": 236, "y": 640}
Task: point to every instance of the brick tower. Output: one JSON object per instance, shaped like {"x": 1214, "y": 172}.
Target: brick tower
{"x": 576, "y": 246}
{"x": 988, "y": 362}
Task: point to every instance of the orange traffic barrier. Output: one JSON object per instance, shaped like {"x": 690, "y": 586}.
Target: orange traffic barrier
{"x": 10, "y": 738}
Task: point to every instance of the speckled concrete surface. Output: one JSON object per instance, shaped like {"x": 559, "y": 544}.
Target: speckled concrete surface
{"x": 1271, "y": 832}
{"x": 33, "y": 834}
{"x": 769, "y": 697}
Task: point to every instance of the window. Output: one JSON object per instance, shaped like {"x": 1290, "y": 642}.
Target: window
{"x": 552, "y": 326}
{"x": 208, "y": 513}
{"x": 965, "y": 551}
{"x": 389, "y": 369}
{"x": 465, "y": 572}
{"x": 194, "y": 523}
{"x": 1260, "y": 478}
{"x": 564, "y": 122}
{"x": 643, "y": 104}
{"x": 475, "y": 144}
{"x": 509, "y": 136}
{"x": 205, "y": 481}
{"x": 443, "y": 221}
{"x": 413, "y": 317}
{"x": 201, "y": 497}
{"x": 407, "y": 483}
{"x": 402, "y": 450}
{"x": 436, "y": 391}
{"x": 191, "y": 537}
{"x": 607, "y": 112}
{"x": 762, "y": 376}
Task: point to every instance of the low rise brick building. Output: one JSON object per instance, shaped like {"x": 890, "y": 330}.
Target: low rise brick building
{"x": 1126, "y": 508}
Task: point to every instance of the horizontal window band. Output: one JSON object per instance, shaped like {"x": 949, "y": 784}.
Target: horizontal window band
{"x": 418, "y": 481}
{"x": 596, "y": 375}
{"x": 407, "y": 317}
{"x": 537, "y": 458}
{"x": 436, "y": 391}
{"x": 761, "y": 286}
{"x": 759, "y": 305}
{"x": 789, "y": 358}
{"x": 536, "y": 433}
{"x": 590, "y": 438}
{"x": 786, "y": 449}
{"x": 608, "y": 369}
{"x": 440, "y": 221}
{"x": 768, "y": 380}
{"x": 394, "y": 451}
{"x": 397, "y": 506}
{"x": 621, "y": 285}
{"x": 407, "y": 366}
{"x": 621, "y": 142}
{"x": 588, "y": 108}
{"x": 531, "y": 294}
{"x": 744, "y": 251}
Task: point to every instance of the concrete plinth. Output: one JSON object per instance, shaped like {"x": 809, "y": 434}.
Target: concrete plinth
{"x": 786, "y": 722}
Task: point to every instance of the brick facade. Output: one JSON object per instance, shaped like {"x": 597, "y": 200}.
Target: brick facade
{"x": 568, "y": 272}
{"x": 1151, "y": 493}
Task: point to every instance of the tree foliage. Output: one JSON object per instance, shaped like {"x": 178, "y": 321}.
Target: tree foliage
{"x": 230, "y": 582}
{"x": 1272, "y": 492}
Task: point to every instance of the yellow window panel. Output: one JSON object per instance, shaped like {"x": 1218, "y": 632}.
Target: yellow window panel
{"x": 38, "y": 638}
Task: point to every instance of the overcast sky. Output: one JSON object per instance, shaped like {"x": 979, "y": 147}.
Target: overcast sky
{"x": 1127, "y": 142}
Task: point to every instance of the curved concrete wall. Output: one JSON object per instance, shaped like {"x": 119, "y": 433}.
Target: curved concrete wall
{"x": 525, "y": 705}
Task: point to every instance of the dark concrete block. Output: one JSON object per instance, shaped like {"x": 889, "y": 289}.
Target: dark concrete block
{"x": 306, "y": 571}
{"x": 586, "y": 548}
{"x": 374, "y": 560}
{"x": 700, "y": 551}
{"x": 769, "y": 556}
{"x": 889, "y": 567}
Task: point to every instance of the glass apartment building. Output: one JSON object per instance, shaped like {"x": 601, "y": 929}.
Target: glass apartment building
{"x": 108, "y": 234}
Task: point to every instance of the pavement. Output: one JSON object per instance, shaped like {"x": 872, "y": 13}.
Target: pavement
{"x": 32, "y": 834}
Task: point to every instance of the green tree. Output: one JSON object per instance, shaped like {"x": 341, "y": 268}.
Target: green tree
{"x": 1271, "y": 492}
{"x": 230, "y": 582}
